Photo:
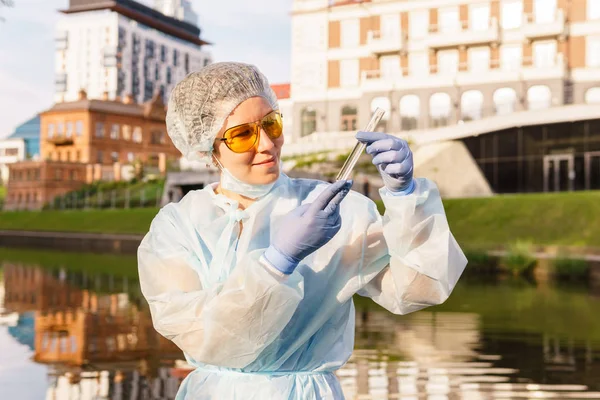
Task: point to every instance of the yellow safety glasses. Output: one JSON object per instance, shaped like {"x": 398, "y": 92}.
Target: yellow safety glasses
{"x": 242, "y": 138}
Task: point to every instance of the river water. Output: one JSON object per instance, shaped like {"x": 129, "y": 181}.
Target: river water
{"x": 77, "y": 327}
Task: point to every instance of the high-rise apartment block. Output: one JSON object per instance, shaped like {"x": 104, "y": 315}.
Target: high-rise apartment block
{"x": 121, "y": 47}
{"x": 435, "y": 63}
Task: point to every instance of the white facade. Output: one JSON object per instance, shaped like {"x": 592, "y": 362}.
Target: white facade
{"x": 103, "y": 51}
{"x": 180, "y": 9}
{"x": 11, "y": 151}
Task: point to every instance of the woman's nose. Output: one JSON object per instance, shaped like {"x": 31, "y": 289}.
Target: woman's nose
{"x": 264, "y": 142}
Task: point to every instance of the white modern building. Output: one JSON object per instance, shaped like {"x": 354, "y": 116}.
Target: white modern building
{"x": 22, "y": 144}
{"x": 115, "y": 48}
{"x": 180, "y": 9}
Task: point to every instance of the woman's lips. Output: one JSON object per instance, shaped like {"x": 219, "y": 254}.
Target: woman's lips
{"x": 267, "y": 163}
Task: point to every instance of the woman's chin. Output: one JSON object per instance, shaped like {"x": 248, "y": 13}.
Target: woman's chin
{"x": 265, "y": 177}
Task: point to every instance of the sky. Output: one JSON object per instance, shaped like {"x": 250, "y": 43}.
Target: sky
{"x": 256, "y": 31}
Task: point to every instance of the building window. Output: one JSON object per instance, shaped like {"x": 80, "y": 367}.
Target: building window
{"x": 479, "y": 17}
{"x": 50, "y": 131}
{"x": 349, "y": 73}
{"x": 449, "y": 20}
{"x": 308, "y": 118}
{"x": 114, "y": 156}
{"x": 186, "y": 63}
{"x": 384, "y": 104}
{"x": 348, "y": 120}
{"x": 73, "y": 175}
{"x": 593, "y": 9}
{"x": 512, "y": 14}
{"x": 37, "y": 175}
{"x": 68, "y": 156}
{"x": 479, "y": 59}
{"x": 69, "y": 133}
{"x": 99, "y": 157}
{"x": 390, "y": 68}
{"x": 60, "y": 128}
{"x": 169, "y": 77}
{"x": 79, "y": 128}
{"x": 448, "y": 62}
{"x": 544, "y": 54}
{"x": 390, "y": 26}
{"x": 163, "y": 53}
{"x": 418, "y": 24}
{"x": 410, "y": 111}
{"x": 440, "y": 109}
{"x": 157, "y": 137}
{"x": 592, "y": 96}
{"x": 114, "y": 131}
{"x": 57, "y": 174}
{"x": 593, "y": 51}
{"x": 418, "y": 64}
{"x": 544, "y": 11}
{"x": 137, "y": 134}
{"x": 157, "y": 73}
{"x": 539, "y": 97}
{"x": 505, "y": 101}
{"x": 511, "y": 57}
{"x": 126, "y": 132}
{"x": 471, "y": 105}
{"x": 350, "y": 33}
{"x": 99, "y": 130}
{"x": 175, "y": 57}
{"x": 130, "y": 157}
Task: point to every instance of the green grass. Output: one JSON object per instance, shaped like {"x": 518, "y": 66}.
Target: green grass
{"x": 561, "y": 219}
{"x": 135, "y": 221}
{"x": 519, "y": 259}
{"x": 564, "y": 219}
{"x": 2, "y": 192}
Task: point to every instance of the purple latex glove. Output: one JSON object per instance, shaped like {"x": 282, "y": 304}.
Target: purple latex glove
{"x": 307, "y": 228}
{"x": 393, "y": 159}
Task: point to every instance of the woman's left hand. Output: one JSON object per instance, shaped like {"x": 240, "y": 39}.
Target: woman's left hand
{"x": 393, "y": 159}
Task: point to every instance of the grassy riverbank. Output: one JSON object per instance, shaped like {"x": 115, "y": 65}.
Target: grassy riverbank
{"x": 562, "y": 219}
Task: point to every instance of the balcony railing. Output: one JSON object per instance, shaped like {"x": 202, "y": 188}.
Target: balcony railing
{"x": 463, "y": 36}
{"x": 380, "y": 43}
{"x": 537, "y": 30}
{"x": 60, "y": 140}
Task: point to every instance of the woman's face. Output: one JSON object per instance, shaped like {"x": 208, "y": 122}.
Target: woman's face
{"x": 260, "y": 164}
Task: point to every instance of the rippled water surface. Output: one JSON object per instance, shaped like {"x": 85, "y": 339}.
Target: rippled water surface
{"x": 77, "y": 327}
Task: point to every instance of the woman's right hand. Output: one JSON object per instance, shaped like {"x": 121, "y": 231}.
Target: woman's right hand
{"x": 307, "y": 228}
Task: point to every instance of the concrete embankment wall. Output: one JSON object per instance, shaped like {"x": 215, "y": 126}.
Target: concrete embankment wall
{"x": 78, "y": 242}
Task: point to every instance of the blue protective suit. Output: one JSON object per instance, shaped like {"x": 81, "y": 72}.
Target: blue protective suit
{"x": 254, "y": 333}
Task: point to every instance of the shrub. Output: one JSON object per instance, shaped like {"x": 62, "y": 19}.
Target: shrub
{"x": 519, "y": 259}
{"x": 570, "y": 268}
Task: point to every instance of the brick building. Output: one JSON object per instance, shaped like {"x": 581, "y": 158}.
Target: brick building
{"x": 90, "y": 140}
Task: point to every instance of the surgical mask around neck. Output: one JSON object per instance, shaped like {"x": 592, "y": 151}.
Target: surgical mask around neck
{"x": 233, "y": 184}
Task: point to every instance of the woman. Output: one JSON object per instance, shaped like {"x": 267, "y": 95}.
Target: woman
{"x": 253, "y": 277}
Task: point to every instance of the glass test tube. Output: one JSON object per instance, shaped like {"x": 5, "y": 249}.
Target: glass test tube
{"x": 352, "y": 159}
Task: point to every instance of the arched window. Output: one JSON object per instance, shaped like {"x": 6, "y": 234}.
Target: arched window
{"x": 410, "y": 110}
{"x": 383, "y": 103}
{"x": 505, "y": 101}
{"x": 539, "y": 97}
{"x": 592, "y": 96}
{"x": 471, "y": 105}
{"x": 308, "y": 119}
{"x": 440, "y": 109}
{"x": 348, "y": 118}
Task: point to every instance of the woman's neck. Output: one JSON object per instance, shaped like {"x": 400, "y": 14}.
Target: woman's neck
{"x": 243, "y": 201}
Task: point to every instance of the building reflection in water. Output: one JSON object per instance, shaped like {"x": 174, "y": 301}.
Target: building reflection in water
{"x": 96, "y": 335}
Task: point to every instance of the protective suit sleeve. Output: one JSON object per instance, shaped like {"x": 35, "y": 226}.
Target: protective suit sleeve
{"x": 226, "y": 325}
{"x": 424, "y": 259}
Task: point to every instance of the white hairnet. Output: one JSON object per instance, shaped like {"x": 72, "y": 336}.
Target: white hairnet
{"x": 200, "y": 104}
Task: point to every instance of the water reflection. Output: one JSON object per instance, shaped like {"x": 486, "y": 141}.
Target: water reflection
{"x": 94, "y": 335}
